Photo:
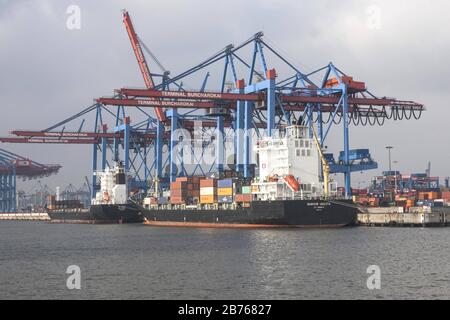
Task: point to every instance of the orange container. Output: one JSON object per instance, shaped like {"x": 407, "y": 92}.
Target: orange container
{"x": 208, "y": 199}
{"x": 178, "y": 192}
{"x": 225, "y": 191}
{"x": 410, "y": 203}
{"x": 178, "y": 185}
{"x": 243, "y": 198}
{"x": 208, "y": 183}
{"x": 434, "y": 195}
{"x": 195, "y": 193}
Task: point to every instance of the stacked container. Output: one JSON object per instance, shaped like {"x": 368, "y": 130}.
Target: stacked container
{"x": 429, "y": 195}
{"x": 245, "y": 195}
{"x": 225, "y": 191}
{"x": 208, "y": 191}
{"x": 178, "y": 192}
{"x": 185, "y": 190}
{"x": 51, "y": 202}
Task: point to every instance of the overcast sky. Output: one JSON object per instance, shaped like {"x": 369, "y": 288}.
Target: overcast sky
{"x": 49, "y": 72}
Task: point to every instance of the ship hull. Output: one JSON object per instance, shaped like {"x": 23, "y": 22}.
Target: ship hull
{"x": 99, "y": 214}
{"x": 275, "y": 214}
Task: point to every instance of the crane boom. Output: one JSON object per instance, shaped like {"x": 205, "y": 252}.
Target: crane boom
{"x": 143, "y": 66}
{"x": 325, "y": 164}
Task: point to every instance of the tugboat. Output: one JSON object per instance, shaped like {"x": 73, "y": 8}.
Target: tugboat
{"x": 110, "y": 205}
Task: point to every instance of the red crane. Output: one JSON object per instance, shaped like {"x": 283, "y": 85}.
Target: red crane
{"x": 160, "y": 114}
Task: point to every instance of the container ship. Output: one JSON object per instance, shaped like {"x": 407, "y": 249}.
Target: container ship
{"x": 292, "y": 190}
{"x": 111, "y": 204}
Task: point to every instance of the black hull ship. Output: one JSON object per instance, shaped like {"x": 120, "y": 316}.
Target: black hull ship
{"x": 98, "y": 214}
{"x": 261, "y": 214}
{"x": 111, "y": 204}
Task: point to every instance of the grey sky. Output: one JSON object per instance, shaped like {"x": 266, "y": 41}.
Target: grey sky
{"x": 49, "y": 72}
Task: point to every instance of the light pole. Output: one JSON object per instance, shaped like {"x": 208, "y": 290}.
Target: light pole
{"x": 395, "y": 180}
{"x": 390, "y": 163}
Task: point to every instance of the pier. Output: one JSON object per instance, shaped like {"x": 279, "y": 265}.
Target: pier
{"x": 25, "y": 216}
{"x": 395, "y": 217}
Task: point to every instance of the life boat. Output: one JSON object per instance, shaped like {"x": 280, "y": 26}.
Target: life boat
{"x": 292, "y": 182}
{"x": 106, "y": 196}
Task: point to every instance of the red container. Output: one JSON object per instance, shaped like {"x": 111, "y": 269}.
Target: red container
{"x": 178, "y": 193}
{"x": 178, "y": 185}
{"x": 244, "y": 198}
{"x": 196, "y": 179}
{"x": 195, "y": 193}
{"x": 446, "y": 195}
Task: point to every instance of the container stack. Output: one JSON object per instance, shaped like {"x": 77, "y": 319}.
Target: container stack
{"x": 446, "y": 196}
{"x": 185, "y": 190}
{"x": 429, "y": 195}
{"x": 178, "y": 192}
{"x": 51, "y": 202}
{"x": 244, "y": 196}
{"x": 225, "y": 191}
{"x": 208, "y": 191}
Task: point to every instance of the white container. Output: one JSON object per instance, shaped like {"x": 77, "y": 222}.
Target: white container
{"x": 207, "y": 191}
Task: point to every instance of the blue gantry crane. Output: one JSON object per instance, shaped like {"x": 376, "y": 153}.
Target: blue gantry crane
{"x": 251, "y": 99}
{"x": 13, "y": 166}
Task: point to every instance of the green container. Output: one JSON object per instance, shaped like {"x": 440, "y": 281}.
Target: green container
{"x": 246, "y": 189}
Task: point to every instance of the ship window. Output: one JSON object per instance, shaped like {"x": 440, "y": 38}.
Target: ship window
{"x": 297, "y": 152}
{"x": 306, "y": 144}
{"x": 308, "y": 153}
{"x": 296, "y": 143}
{"x": 303, "y": 153}
{"x": 302, "y": 143}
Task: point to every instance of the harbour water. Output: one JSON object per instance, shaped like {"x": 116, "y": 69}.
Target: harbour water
{"x": 139, "y": 262}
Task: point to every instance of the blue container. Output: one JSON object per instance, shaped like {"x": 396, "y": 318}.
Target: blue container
{"x": 225, "y": 183}
{"x": 225, "y": 199}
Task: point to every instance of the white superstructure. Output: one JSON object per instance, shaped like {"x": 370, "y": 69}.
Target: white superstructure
{"x": 289, "y": 166}
{"x": 113, "y": 186}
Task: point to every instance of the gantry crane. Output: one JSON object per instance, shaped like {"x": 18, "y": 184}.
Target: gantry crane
{"x": 143, "y": 66}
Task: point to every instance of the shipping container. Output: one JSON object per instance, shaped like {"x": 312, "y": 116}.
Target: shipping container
{"x": 246, "y": 189}
{"x": 225, "y": 183}
{"x": 178, "y": 192}
{"x": 225, "y": 199}
{"x": 446, "y": 195}
{"x": 208, "y": 183}
{"x": 224, "y": 191}
{"x": 196, "y": 179}
{"x": 178, "y": 185}
{"x": 208, "y": 199}
{"x": 244, "y": 198}
{"x": 208, "y": 191}
{"x": 195, "y": 193}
